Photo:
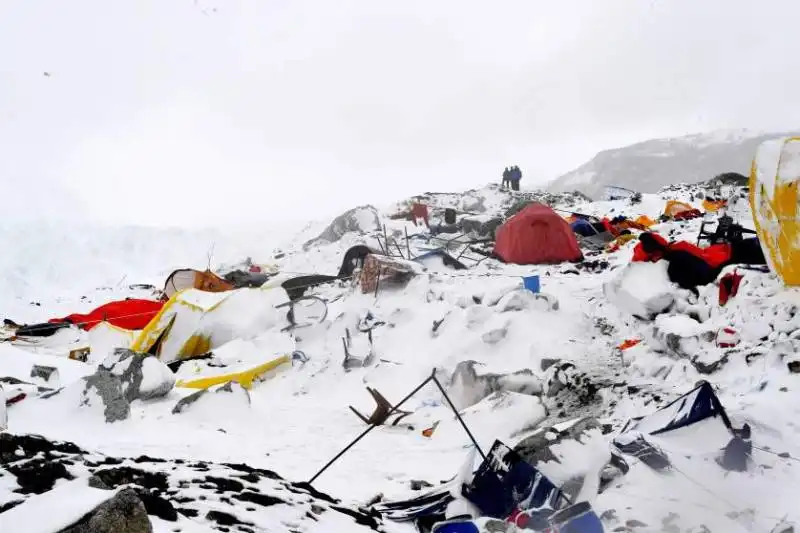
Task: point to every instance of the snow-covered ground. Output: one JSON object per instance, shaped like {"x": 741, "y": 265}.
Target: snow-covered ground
{"x": 299, "y": 418}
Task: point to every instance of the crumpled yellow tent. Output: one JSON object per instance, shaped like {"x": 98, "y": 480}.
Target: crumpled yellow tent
{"x": 774, "y": 179}
{"x": 675, "y": 207}
{"x": 194, "y": 322}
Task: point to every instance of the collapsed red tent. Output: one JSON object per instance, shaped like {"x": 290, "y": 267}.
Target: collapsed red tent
{"x": 536, "y": 235}
{"x": 126, "y": 314}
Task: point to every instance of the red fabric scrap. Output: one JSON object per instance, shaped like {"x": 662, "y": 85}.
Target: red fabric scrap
{"x": 729, "y": 286}
{"x": 126, "y": 314}
{"x": 715, "y": 255}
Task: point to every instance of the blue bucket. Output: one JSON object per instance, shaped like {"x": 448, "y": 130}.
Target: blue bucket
{"x": 531, "y": 283}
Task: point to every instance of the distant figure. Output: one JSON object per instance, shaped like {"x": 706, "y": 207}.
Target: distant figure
{"x": 514, "y": 175}
{"x": 506, "y": 177}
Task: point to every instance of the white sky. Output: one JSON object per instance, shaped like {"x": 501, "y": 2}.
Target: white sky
{"x": 184, "y": 112}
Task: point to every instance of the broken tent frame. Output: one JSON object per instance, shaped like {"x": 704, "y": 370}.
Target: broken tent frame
{"x": 461, "y": 246}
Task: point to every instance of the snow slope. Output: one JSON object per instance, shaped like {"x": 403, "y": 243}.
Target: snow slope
{"x": 650, "y": 165}
{"x": 299, "y": 418}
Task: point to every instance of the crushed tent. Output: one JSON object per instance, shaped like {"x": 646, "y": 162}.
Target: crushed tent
{"x": 439, "y": 257}
{"x": 252, "y": 279}
{"x": 126, "y": 314}
{"x": 698, "y": 404}
{"x": 245, "y": 377}
{"x": 193, "y": 322}
{"x": 674, "y": 209}
{"x": 505, "y": 483}
{"x": 187, "y": 278}
{"x": 536, "y": 235}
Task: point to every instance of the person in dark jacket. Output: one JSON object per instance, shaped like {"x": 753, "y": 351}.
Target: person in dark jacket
{"x": 514, "y": 176}
{"x": 506, "y": 177}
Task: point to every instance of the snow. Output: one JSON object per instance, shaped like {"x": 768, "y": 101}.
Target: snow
{"x": 54, "y": 510}
{"x": 298, "y": 419}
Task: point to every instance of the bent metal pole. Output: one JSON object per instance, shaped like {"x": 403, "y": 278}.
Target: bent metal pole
{"x": 364, "y": 433}
{"x": 370, "y": 428}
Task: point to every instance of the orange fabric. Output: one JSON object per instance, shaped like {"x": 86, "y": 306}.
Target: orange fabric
{"x": 126, "y": 314}
{"x": 629, "y": 343}
{"x": 715, "y": 255}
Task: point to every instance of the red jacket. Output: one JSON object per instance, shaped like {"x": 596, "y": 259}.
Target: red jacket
{"x": 715, "y": 255}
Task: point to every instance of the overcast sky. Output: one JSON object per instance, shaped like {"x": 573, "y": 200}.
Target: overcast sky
{"x": 201, "y": 112}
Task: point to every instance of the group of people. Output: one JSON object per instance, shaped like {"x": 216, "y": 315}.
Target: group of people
{"x": 511, "y": 177}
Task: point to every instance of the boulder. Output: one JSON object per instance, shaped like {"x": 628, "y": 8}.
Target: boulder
{"x": 642, "y": 290}
{"x": 123, "y": 513}
{"x": 480, "y": 227}
{"x": 143, "y": 376}
{"x": 230, "y": 395}
{"x": 105, "y": 389}
{"x": 362, "y": 219}
{"x": 467, "y": 387}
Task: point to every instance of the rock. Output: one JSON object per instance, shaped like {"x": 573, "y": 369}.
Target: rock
{"x": 231, "y": 392}
{"x": 467, "y": 387}
{"x": 564, "y": 376}
{"x": 143, "y": 376}
{"x": 480, "y": 227}
{"x": 495, "y": 335}
{"x": 124, "y": 513}
{"x": 47, "y": 373}
{"x": 547, "y": 363}
{"x": 517, "y": 300}
{"x": 794, "y": 367}
{"x": 536, "y": 448}
{"x": 642, "y": 290}
{"x": 362, "y": 219}
{"x": 105, "y": 389}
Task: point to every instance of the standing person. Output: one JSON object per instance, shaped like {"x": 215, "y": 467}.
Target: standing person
{"x": 515, "y": 175}
{"x": 506, "y": 177}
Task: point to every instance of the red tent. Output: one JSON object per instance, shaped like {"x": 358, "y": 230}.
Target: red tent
{"x": 126, "y": 314}
{"x": 536, "y": 235}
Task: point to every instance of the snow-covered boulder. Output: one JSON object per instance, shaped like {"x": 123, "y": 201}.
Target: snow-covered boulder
{"x": 363, "y": 219}
{"x": 480, "y": 226}
{"x": 224, "y": 398}
{"x": 143, "y": 376}
{"x": 642, "y": 290}
{"x": 76, "y": 507}
{"x": 467, "y": 387}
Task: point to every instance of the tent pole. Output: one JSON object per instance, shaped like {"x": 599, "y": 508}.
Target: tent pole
{"x": 453, "y": 407}
{"x": 370, "y": 428}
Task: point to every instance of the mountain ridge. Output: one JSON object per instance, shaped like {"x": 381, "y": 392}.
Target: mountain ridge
{"x": 647, "y": 166}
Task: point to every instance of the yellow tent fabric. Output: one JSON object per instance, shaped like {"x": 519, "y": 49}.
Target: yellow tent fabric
{"x": 774, "y": 179}
{"x": 245, "y": 377}
{"x": 194, "y": 322}
{"x": 175, "y": 333}
{"x": 645, "y": 221}
{"x": 674, "y": 207}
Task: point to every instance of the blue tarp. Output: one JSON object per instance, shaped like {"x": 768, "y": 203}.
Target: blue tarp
{"x": 504, "y": 482}
{"x": 583, "y": 228}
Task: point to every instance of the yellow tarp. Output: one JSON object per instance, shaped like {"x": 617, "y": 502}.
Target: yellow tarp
{"x": 645, "y": 221}
{"x": 774, "y": 179}
{"x": 245, "y": 377}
